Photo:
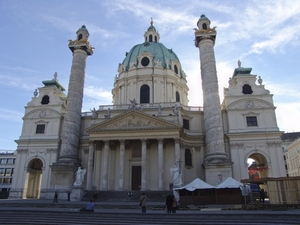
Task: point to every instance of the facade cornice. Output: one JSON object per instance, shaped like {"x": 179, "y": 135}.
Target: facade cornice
{"x": 254, "y": 134}
{"x": 37, "y": 141}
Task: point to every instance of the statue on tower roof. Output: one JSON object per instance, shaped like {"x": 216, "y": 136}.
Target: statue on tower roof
{"x": 55, "y": 76}
{"x": 239, "y": 63}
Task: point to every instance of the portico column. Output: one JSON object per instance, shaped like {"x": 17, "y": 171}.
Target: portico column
{"x": 90, "y": 166}
{"x": 144, "y": 166}
{"x": 177, "y": 150}
{"x": 121, "y": 169}
{"x": 105, "y": 166}
{"x": 160, "y": 165}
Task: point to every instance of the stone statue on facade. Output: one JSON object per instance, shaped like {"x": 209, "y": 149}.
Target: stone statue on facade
{"x": 177, "y": 176}
{"x": 134, "y": 105}
{"x": 107, "y": 116}
{"x": 160, "y": 109}
{"x": 79, "y": 176}
{"x": 175, "y": 109}
{"x": 94, "y": 114}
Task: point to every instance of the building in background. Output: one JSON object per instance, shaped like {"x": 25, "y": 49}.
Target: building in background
{"x": 292, "y": 153}
{"x": 7, "y": 165}
{"x": 287, "y": 139}
{"x": 150, "y": 130}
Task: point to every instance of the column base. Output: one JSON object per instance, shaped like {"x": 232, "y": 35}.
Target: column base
{"x": 62, "y": 175}
{"x": 77, "y": 193}
{"x": 217, "y": 173}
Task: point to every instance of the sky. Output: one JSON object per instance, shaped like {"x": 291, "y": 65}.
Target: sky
{"x": 263, "y": 35}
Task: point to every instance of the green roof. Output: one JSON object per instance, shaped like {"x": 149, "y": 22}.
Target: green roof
{"x": 53, "y": 82}
{"x": 160, "y": 52}
{"x": 241, "y": 71}
{"x": 203, "y": 17}
{"x": 83, "y": 28}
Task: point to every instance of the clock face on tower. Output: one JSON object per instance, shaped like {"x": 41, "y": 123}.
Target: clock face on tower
{"x": 249, "y": 104}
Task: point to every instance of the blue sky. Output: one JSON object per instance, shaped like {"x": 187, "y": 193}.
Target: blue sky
{"x": 264, "y": 35}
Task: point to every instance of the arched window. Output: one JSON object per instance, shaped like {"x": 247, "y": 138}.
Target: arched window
{"x": 177, "y": 96}
{"x": 176, "y": 69}
{"x": 155, "y": 39}
{"x": 247, "y": 90}
{"x": 150, "y": 38}
{"x": 145, "y": 94}
{"x": 79, "y": 37}
{"x": 45, "y": 100}
{"x": 204, "y": 26}
{"x": 188, "y": 157}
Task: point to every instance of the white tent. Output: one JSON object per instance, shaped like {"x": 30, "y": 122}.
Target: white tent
{"x": 230, "y": 183}
{"x": 195, "y": 184}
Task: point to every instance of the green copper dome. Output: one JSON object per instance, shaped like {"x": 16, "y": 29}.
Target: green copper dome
{"x": 82, "y": 28}
{"x": 203, "y": 17}
{"x": 158, "y": 50}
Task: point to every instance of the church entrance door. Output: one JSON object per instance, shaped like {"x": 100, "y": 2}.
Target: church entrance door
{"x": 136, "y": 177}
{"x": 33, "y": 179}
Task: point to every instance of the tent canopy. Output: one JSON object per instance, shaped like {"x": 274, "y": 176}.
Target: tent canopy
{"x": 196, "y": 184}
{"x": 229, "y": 183}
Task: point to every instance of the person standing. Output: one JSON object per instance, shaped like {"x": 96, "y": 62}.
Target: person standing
{"x": 174, "y": 204}
{"x": 55, "y": 199}
{"x": 95, "y": 197}
{"x": 169, "y": 202}
{"x": 143, "y": 202}
{"x": 262, "y": 195}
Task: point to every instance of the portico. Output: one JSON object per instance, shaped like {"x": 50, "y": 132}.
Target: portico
{"x": 134, "y": 139}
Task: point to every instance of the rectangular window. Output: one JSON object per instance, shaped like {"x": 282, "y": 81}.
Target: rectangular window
{"x": 10, "y": 161}
{"x": 0, "y": 180}
{"x": 251, "y": 121}
{"x": 186, "y": 124}
{"x": 188, "y": 157}
{"x": 3, "y": 161}
{"x": 8, "y": 172}
{"x": 6, "y": 181}
{"x": 1, "y": 171}
{"x": 40, "y": 129}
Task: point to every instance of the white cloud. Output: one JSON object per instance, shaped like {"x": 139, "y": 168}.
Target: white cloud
{"x": 95, "y": 96}
{"x": 11, "y": 115}
{"x": 287, "y": 114}
{"x": 13, "y": 81}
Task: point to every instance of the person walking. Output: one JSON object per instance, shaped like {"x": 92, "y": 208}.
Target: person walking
{"x": 55, "y": 199}
{"x": 174, "y": 204}
{"x": 169, "y": 202}
{"x": 143, "y": 202}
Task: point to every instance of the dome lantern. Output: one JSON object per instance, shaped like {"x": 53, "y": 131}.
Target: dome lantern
{"x": 151, "y": 35}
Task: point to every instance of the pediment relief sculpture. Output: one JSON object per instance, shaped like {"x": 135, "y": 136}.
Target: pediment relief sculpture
{"x": 42, "y": 113}
{"x": 133, "y": 120}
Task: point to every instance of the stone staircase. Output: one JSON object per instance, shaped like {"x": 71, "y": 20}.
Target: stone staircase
{"x": 122, "y": 196}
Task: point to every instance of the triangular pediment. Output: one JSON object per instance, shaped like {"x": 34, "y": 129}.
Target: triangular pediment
{"x": 133, "y": 120}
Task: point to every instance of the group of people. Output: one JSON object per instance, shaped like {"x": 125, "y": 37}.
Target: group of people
{"x": 171, "y": 204}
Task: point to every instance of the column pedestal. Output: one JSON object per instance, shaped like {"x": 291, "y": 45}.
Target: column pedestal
{"x": 62, "y": 176}
{"x": 77, "y": 193}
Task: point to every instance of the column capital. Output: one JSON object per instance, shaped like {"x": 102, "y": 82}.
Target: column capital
{"x": 177, "y": 140}
{"x": 143, "y": 140}
{"x": 160, "y": 140}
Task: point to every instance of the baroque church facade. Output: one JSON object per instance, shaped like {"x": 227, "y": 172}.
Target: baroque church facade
{"x": 149, "y": 130}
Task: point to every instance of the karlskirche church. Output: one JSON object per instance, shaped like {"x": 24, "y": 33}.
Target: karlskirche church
{"x": 149, "y": 135}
